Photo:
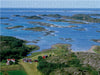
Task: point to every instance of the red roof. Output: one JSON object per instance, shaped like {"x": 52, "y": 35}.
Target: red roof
{"x": 44, "y": 57}
{"x": 10, "y": 59}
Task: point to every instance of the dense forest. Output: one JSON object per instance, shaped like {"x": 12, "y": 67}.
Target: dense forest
{"x": 13, "y": 48}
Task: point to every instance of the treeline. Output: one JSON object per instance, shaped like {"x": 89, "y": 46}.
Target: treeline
{"x": 12, "y": 48}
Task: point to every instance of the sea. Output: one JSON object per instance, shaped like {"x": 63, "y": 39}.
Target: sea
{"x": 82, "y": 40}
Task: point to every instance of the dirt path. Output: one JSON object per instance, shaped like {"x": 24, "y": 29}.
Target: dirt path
{"x": 31, "y": 68}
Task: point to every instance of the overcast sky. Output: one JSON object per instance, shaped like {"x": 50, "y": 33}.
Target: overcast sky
{"x": 50, "y": 3}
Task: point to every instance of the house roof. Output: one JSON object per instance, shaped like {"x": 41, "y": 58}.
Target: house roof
{"x": 10, "y": 59}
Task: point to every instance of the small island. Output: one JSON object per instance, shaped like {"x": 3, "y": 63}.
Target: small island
{"x": 49, "y": 33}
{"x": 14, "y": 27}
{"x": 47, "y": 24}
{"x": 72, "y": 26}
{"x": 67, "y": 39}
{"x": 28, "y": 17}
{"x": 85, "y": 17}
{"x": 81, "y": 29}
{"x": 5, "y": 23}
{"x": 4, "y": 18}
{"x": 96, "y": 40}
{"x": 33, "y": 17}
{"x": 16, "y": 15}
{"x": 36, "y": 29}
{"x": 51, "y": 15}
{"x": 81, "y": 17}
{"x": 71, "y": 21}
{"x": 33, "y": 41}
{"x": 98, "y": 31}
{"x": 94, "y": 14}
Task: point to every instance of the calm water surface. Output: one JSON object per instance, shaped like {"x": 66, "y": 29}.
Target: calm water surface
{"x": 81, "y": 39}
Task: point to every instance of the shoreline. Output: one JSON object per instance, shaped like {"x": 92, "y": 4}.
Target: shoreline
{"x": 91, "y": 49}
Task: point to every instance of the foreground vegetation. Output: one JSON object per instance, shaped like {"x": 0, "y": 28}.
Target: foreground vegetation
{"x": 61, "y": 60}
{"x": 13, "y": 48}
{"x": 12, "y": 70}
{"x": 64, "y": 62}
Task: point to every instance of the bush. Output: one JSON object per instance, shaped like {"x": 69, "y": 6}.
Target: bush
{"x": 46, "y": 68}
{"x": 74, "y": 62}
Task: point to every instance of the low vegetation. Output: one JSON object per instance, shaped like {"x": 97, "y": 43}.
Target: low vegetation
{"x": 28, "y": 17}
{"x": 46, "y": 24}
{"x": 82, "y": 17}
{"x": 14, "y": 27}
{"x": 52, "y": 15}
{"x": 85, "y": 17}
{"x": 33, "y": 17}
{"x": 16, "y": 72}
{"x": 63, "y": 20}
{"x": 36, "y": 29}
{"x": 97, "y": 49}
{"x": 12, "y": 70}
{"x": 64, "y": 62}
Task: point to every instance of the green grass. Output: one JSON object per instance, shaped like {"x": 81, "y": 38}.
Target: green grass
{"x": 1, "y": 73}
{"x": 17, "y": 72}
{"x": 12, "y": 70}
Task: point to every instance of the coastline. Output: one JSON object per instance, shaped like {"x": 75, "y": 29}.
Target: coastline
{"x": 92, "y": 49}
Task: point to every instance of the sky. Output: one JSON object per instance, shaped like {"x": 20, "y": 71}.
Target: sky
{"x": 49, "y": 3}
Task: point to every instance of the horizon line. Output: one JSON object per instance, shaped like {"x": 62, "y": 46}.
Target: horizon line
{"x": 58, "y": 8}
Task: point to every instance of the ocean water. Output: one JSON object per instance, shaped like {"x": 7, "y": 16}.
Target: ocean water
{"x": 81, "y": 39}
